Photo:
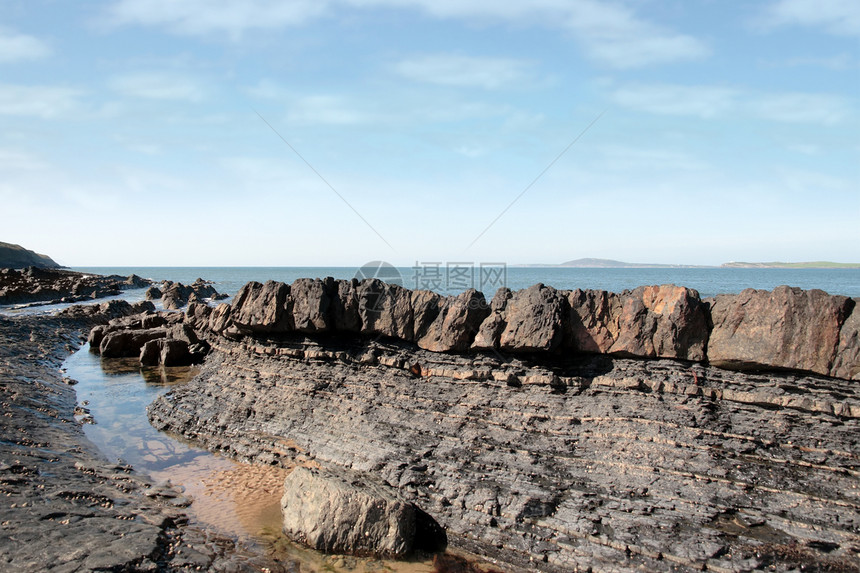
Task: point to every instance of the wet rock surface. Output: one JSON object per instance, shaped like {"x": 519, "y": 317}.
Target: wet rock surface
{"x": 53, "y": 286}
{"x": 555, "y": 465}
{"x": 64, "y": 507}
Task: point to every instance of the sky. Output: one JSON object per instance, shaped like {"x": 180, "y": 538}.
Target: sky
{"x": 335, "y": 132}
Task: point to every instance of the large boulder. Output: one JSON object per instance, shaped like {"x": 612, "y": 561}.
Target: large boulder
{"x": 492, "y": 326}
{"x": 593, "y": 322}
{"x": 127, "y": 343}
{"x": 385, "y": 309}
{"x": 345, "y": 305}
{"x": 219, "y": 319}
{"x": 197, "y": 315}
{"x": 664, "y": 321}
{"x": 311, "y": 304}
{"x": 262, "y": 308}
{"x": 426, "y": 306}
{"x": 166, "y": 352}
{"x": 345, "y": 511}
{"x": 456, "y": 322}
{"x": 847, "y": 362}
{"x": 786, "y": 328}
{"x": 532, "y": 320}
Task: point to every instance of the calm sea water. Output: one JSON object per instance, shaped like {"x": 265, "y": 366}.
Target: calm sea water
{"x": 709, "y": 282}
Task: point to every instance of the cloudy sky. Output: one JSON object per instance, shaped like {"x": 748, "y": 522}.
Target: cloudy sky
{"x": 333, "y": 132}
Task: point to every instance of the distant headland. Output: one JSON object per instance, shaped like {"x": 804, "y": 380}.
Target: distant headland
{"x": 17, "y": 257}
{"x": 780, "y": 265}
{"x": 591, "y": 263}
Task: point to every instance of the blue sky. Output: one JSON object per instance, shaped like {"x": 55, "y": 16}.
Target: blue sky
{"x": 130, "y": 134}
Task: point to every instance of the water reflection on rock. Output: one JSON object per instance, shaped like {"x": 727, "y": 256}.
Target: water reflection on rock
{"x": 225, "y": 496}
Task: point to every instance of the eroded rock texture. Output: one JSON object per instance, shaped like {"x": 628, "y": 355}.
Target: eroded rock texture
{"x": 787, "y": 328}
{"x": 65, "y": 507}
{"x": 347, "y": 512}
{"x": 784, "y": 328}
{"x": 555, "y": 465}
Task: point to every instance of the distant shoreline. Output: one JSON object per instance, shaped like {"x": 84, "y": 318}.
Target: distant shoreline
{"x": 612, "y": 264}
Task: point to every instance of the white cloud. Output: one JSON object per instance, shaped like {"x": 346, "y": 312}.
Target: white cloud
{"x": 669, "y": 99}
{"x": 610, "y": 33}
{"x": 15, "y": 47}
{"x": 801, "y": 108}
{"x": 840, "y": 17}
{"x": 199, "y": 17}
{"x": 159, "y": 85}
{"x": 39, "y": 101}
{"x": 624, "y": 158}
{"x": 465, "y": 71}
{"x": 710, "y": 102}
{"x": 14, "y": 160}
{"x": 327, "y": 110}
{"x": 838, "y": 62}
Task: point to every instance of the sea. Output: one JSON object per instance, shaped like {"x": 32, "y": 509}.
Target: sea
{"x": 448, "y": 279}
{"x": 487, "y": 278}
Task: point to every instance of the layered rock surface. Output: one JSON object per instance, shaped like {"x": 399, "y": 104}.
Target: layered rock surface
{"x": 554, "y": 465}
{"x": 534, "y": 437}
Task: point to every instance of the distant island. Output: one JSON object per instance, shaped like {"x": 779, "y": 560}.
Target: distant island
{"x": 780, "y": 265}
{"x": 17, "y": 257}
{"x": 591, "y": 263}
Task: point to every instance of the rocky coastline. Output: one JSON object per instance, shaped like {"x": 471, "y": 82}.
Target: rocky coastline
{"x": 35, "y": 285}
{"x": 543, "y": 430}
{"x": 65, "y": 507}
{"x": 555, "y": 430}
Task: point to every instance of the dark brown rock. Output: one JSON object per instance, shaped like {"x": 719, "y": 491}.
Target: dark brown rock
{"x": 197, "y": 315}
{"x": 784, "y": 328}
{"x": 127, "y": 343}
{"x": 153, "y": 293}
{"x": 385, "y": 309}
{"x": 664, "y": 321}
{"x": 219, "y": 320}
{"x": 150, "y": 353}
{"x": 655, "y": 321}
{"x": 593, "y": 322}
{"x": 456, "y": 324}
{"x": 491, "y": 328}
{"x": 344, "y": 306}
{"x": 262, "y": 308}
{"x": 533, "y": 320}
{"x": 311, "y": 304}
{"x": 847, "y": 362}
{"x": 426, "y": 306}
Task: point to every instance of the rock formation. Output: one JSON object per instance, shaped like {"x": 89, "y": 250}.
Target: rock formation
{"x": 786, "y": 328}
{"x": 556, "y": 430}
{"x": 808, "y": 331}
{"x": 53, "y": 286}
{"x": 351, "y": 512}
{"x": 155, "y": 338}
{"x": 175, "y": 295}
